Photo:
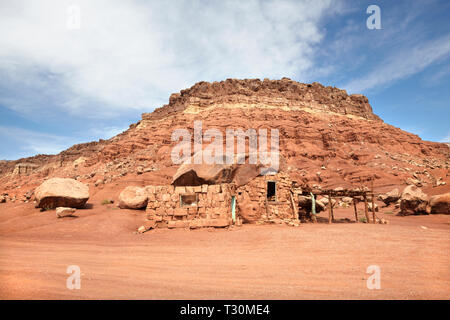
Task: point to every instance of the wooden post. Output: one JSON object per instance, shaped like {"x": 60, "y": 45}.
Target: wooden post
{"x": 356, "y": 211}
{"x": 332, "y": 212}
{"x": 366, "y": 209}
{"x": 330, "y": 209}
{"x": 373, "y": 205}
{"x": 294, "y": 207}
{"x": 373, "y": 210}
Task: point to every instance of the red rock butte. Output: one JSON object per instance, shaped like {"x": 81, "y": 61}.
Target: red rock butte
{"x": 327, "y": 138}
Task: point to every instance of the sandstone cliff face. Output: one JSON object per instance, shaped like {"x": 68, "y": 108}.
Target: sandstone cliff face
{"x": 327, "y": 138}
{"x": 268, "y": 94}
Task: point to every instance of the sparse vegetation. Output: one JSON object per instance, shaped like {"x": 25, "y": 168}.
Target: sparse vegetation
{"x": 107, "y": 201}
{"x": 362, "y": 219}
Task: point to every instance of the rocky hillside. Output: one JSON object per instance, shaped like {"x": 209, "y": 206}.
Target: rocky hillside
{"x": 328, "y": 138}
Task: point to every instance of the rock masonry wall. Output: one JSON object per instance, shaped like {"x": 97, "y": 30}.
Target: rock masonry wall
{"x": 213, "y": 207}
{"x": 252, "y": 204}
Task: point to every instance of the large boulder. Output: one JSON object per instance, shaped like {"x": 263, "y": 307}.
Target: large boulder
{"x": 413, "y": 201}
{"x": 390, "y": 197}
{"x": 305, "y": 204}
{"x": 133, "y": 198}
{"x": 440, "y": 203}
{"x": 61, "y": 192}
{"x": 239, "y": 171}
{"x": 324, "y": 201}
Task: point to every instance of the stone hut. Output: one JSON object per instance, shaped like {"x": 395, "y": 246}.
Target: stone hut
{"x": 221, "y": 195}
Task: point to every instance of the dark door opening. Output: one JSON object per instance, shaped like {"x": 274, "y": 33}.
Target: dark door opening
{"x": 271, "y": 191}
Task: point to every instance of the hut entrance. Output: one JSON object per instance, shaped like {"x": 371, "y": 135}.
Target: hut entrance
{"x": 271, "y": 191}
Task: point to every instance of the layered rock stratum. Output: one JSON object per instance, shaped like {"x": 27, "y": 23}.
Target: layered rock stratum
{"x": 327, "y": 138}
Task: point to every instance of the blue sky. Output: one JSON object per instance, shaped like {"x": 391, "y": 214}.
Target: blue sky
{"x": 61, "y": 85}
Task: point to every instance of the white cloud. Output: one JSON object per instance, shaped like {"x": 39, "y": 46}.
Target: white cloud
{"x": 447, "y": 138}
{"x": 31, "y": 142}
{"x": 27, "y": 143}
{"x": 105, "y": 132}
{"x": 132, "y": 54}
{"x": 402, "y": 64}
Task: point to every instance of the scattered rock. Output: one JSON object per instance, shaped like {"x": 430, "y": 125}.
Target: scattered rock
{"x": 390, "y": 197}
{"x": 98, "y": 182}
{"x": 61, "y": 192}
{"x": 62, "y": 212}
{"x": 370, "y": 207}
{"x": 29, "y": 194}
{"x": 133, "y": 198}
{"x": 141, "y": 229}
{"x": 415, "y": 182}
{"x": 347, "y": 200}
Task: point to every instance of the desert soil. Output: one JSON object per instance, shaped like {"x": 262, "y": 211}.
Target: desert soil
{"x": 313, "y": 261}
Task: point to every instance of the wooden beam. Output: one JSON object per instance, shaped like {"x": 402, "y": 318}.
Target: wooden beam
{"x": 332, "y": 212}
{"x": 294, "y": 207}
{"x": 373, "y": 210}
{"x": 366, "y": 209}
{"x": 374, "y": 220}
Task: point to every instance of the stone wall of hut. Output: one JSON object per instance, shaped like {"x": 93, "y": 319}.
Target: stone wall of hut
{"x": 254, "y": 206}
{"x": 213, "y": 204}
{"x": 212, "y": 208}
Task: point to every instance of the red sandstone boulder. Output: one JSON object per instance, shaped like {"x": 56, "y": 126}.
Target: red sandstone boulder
{"x": 390, "y": 197}
{"x": 62, "y": 212}
{"x": 305, "y": 204}
{"x": 240, "y": 171}
{"x": 440, "y": 203}
{"x": 413, "y": 201}
{"x": 133, "y": 198}
{"x": 61, "y": 192}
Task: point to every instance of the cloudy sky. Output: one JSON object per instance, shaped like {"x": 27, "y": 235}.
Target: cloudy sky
{"x": 76, "y": 71}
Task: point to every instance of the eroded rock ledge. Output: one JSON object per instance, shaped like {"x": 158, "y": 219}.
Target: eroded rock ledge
{"x": 285, "y": 93}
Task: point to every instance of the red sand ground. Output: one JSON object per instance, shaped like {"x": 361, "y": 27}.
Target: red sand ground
{"x": 313, "y": 261}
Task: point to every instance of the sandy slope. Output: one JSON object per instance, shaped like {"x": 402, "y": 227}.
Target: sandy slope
{"x": 250, "y": 262}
